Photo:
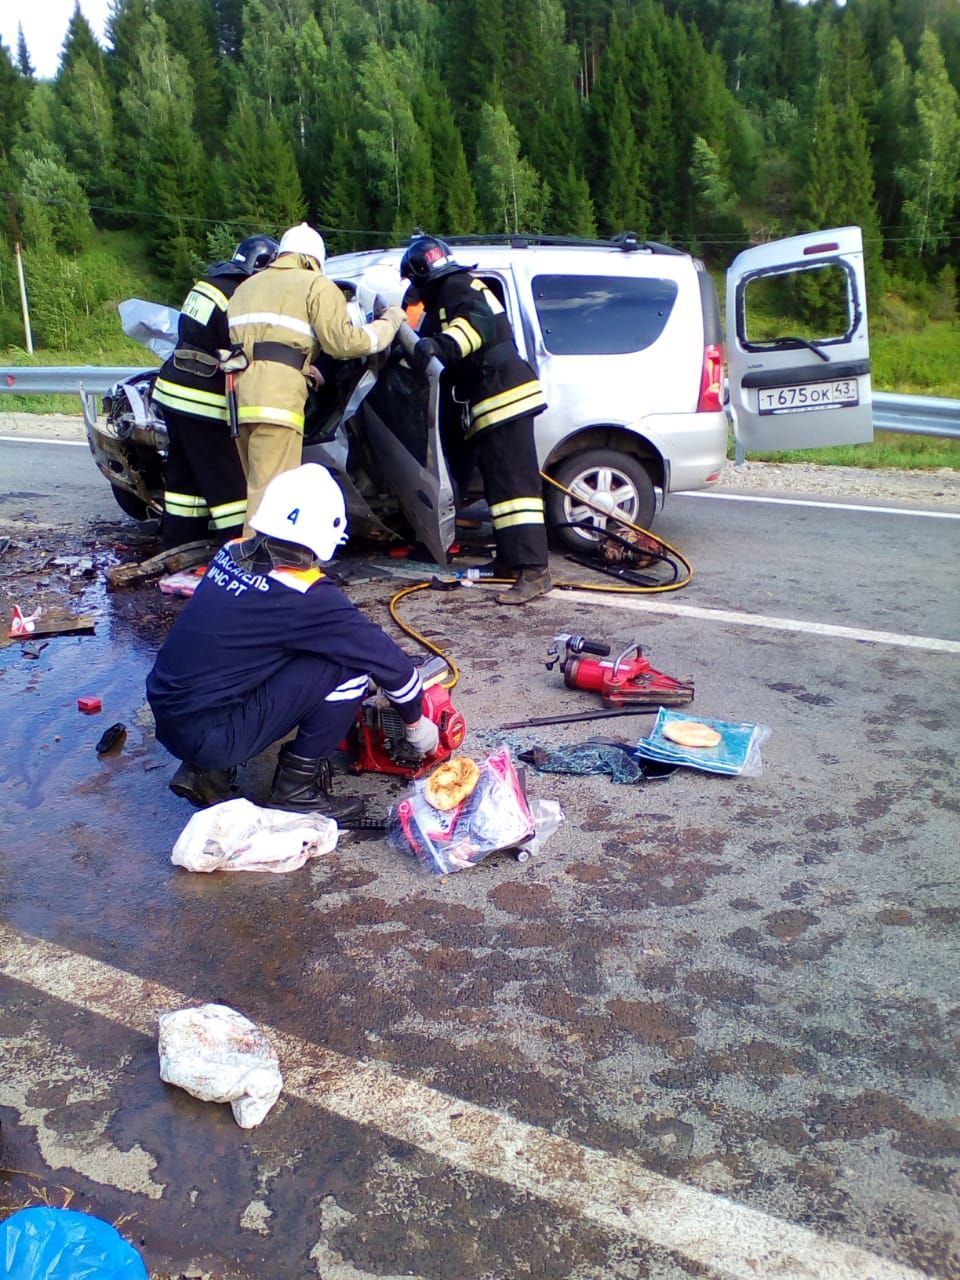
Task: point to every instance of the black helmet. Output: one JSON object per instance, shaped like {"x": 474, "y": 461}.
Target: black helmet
{"x": 255, "y": 253}
{"x": 427, "y": 259}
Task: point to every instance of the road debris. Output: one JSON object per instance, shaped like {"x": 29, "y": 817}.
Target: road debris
{"x": 23, "y": 624}
{"x": 185, "y": 557}
{"x": 240, "y": 836}
{"x": 184, "y": 583}
{"x": 49, "y": 623}
{"x": 218, "y": 1055}
{"x": 112, "y": 739}
{"x": 33, "y": 648}
{"x": 89, "y": 705}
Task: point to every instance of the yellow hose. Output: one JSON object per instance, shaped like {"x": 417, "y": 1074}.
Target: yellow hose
{"x": 454, "y": 676}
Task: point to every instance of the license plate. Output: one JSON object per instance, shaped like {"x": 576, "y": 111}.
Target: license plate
{"x": 810, "y": 395}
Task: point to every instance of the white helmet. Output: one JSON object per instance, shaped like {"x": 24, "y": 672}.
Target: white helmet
{"x": 305, "y": 506}
{"x": 303, "y": 239}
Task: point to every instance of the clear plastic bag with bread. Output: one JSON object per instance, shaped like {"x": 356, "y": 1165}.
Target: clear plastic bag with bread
{"x": 462, "y": 812}
{"x": 696, "y": 742}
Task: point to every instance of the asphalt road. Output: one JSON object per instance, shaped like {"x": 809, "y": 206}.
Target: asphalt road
{"x": 709, "y": 1031}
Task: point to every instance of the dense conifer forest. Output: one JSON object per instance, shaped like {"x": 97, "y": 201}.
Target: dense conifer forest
{"x": 707, "y": 124}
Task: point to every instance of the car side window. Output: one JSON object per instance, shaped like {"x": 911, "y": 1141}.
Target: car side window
{"x": 601, "y": 315}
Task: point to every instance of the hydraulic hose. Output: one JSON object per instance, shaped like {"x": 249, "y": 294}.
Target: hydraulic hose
{"x": 630, "y": 589}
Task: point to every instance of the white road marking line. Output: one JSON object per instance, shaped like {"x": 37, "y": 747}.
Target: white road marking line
{"x": 812, "y": 502}
{"x": 930, "y": 643}
{"x": 614, "y": 1192}
{"x": 77, "y": 444}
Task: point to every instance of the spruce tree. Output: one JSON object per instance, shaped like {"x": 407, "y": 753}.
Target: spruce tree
{"x": 261, "y": 190}
{"x": 475, "y": 51}
{"x": 80, "y": 42}
{"x": 892, "y": 112}
{"x": 172, "y": 186}
{"x": 15, "y": 93}
{"x": 191, "y": 29}
{"x": 455, "y": 199}
{"x": 24, "y": 65}
{"x": 621, "y": 201}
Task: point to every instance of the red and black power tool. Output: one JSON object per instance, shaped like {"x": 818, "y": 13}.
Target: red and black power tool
{"x": 627, "y": 680}
{"x": 378, "y": 743}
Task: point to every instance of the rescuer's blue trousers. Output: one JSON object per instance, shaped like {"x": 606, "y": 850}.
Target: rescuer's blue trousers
{"x": 317, "y": 698}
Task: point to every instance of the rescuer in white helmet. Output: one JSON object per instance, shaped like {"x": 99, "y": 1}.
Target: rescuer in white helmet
{"x": 269, "y": 644}
{"x": 290, "y": 315}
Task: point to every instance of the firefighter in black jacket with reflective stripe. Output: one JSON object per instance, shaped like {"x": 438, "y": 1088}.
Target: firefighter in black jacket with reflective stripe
{"x": 204, "y": 484}
{"x": 466, "y": 327}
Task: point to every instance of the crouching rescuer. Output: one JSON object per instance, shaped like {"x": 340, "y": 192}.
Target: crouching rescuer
{"x": 269, "y": 644}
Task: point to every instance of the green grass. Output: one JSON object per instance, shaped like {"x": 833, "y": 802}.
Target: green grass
{"x": 119, "y": 264}
{"x": 889, "y": 449}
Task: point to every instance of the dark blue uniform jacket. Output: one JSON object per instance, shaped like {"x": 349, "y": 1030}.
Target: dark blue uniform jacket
{"x": 239, "y": 629}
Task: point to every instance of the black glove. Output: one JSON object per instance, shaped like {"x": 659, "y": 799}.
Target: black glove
{"x": 423, "y": 353}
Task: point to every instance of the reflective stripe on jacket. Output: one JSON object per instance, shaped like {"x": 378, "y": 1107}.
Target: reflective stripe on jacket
{"x": 203, "y": 328}
{"x": 473, "y": 332}
{"x": 293, "y": 304}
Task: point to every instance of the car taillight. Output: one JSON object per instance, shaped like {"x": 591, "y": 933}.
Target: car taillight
{"x": 711, "y": 380}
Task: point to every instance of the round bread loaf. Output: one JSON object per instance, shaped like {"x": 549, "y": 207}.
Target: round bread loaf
{"x": 451, "y": 783}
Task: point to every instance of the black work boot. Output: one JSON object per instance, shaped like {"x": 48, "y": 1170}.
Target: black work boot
{"x": 303, "y": 785}
{"x": 530, "y": 583}
{"x": 204, "y": 787}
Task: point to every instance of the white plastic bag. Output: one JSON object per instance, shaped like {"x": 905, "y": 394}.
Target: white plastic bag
{"x": 218, "y": 1055}
{"x": 240, "y": 836}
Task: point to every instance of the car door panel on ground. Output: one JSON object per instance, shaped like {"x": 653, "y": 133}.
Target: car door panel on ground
{"x": 798, "y": 350}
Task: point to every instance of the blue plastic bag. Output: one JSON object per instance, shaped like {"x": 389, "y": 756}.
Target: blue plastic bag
{"x": 737, "y": 753}
{"x": 58, "y": 1244}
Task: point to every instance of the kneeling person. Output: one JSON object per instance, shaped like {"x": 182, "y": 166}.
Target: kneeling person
{"x": 268, "y": 644}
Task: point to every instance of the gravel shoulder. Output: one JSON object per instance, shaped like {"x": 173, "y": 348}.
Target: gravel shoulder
{"x": 940, "y": 487}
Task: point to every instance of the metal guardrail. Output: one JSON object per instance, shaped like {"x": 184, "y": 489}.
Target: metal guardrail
{"x": 63, "y": 380}
{"x": 916, "y": 415}
{"x": 912, "y": 415}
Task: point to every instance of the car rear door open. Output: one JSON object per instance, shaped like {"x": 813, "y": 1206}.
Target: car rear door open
{"x": 798, "y": 352}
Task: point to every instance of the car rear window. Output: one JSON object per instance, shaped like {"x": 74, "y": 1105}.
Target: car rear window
{"x": 601, "y": 315}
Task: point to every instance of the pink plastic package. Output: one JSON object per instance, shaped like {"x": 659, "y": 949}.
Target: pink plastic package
{"x": 494, "y": 816}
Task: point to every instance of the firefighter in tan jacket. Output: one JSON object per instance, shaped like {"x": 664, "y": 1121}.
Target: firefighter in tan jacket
{"x": 283, "y": 317}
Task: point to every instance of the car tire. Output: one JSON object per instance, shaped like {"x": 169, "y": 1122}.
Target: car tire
{"x": 131, "y": 505}
{"x": 617, "y": 480}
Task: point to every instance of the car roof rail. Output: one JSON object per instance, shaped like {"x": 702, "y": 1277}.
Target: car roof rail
{"x": 625, "y": 241}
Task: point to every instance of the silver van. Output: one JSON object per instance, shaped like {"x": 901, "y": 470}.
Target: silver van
{"x": 627, "y": 340}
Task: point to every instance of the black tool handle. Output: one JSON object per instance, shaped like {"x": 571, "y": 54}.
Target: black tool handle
{"x": 233, "y": 416}
{"x": 597, "y": 647}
